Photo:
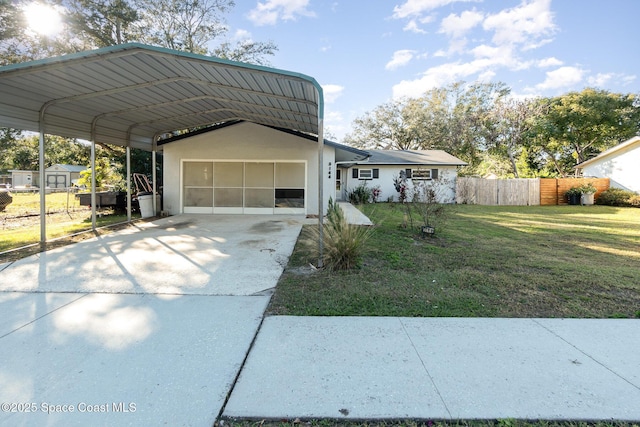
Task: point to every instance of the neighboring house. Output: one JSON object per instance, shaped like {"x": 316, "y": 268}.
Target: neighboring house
{"x": 383, "y": 167}
{"x": 246, "y": 168}
{"x": 62, "y": 176}
{"x": 22, "y": 178}
{"x": 619, "y": 164}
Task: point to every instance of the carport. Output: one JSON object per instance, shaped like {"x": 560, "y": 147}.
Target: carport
{"x": 133, "y": 95}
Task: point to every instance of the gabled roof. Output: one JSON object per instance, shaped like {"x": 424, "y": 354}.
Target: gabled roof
{"x": 344, "y": 153}
{"x": 613, "y": 150}
{"x": 69, "y": 168}
{"x": 413, "y": 157}
{"x": 129, "y": 95}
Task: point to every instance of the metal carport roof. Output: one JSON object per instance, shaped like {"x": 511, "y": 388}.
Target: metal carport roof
{"x": 129, "y": 95}
{"x": 132, "y": 94}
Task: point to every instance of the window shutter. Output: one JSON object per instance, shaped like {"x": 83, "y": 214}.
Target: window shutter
{"x": 408, "y": 172}
{"x": 354, "y": 173}
{"x": 434, "y": 173}
{"x": 376, "y": 173}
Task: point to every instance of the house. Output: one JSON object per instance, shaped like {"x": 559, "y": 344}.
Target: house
{"x": 23, "y": 178}
{"x": 383, "y": 167}
{"x": 62, "y": 176}
{"x": 241, "y": 167}
{"x": 619, "y": 164}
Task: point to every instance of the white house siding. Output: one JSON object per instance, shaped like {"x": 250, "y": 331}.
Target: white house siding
{"x": 446, "y": 175}
{"x": 621, "y": 167}
{"x": 244, "y": 142}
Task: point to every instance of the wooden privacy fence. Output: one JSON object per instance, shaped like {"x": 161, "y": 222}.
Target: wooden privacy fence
{"x": 508, "y": 192}
{"x": 552, "y": 189}
{"x": 521, "y": 191}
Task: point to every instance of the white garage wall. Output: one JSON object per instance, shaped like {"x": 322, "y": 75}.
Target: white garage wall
{"x": 244, "y": 141}
{"x": 621, "y": 167}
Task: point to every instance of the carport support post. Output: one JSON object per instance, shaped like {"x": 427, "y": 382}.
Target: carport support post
{"x": 128, "y": 183}
{"x": 153, "y": 178}
{"x": 41, "y": 183}
{"x": 320, "y": 192}
{"x": 93, "y": 184}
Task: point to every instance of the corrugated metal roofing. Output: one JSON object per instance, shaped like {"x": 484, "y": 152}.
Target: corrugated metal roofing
{"x": 132, "y": 94}
{"x": 411, "y": 157}
{"x": 68, "y": 168}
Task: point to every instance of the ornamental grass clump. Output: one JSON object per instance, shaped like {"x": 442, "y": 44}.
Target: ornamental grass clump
{"x": 344, "y": 243}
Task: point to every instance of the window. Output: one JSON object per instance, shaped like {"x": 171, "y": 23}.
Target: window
{"x": 365, "y": 173}
{"x": 423, "y": 174}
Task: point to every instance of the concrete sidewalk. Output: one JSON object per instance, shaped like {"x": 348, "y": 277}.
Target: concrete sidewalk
{"x": 353, "y": 214}
{"x": 441, "y": 368}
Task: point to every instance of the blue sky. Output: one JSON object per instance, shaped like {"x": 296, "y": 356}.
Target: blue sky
{"x": 365, "y": 53}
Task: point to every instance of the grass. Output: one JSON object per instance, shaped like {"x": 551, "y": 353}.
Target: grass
{"x": 20, "y": 222}
{"x": 489, "y": 261}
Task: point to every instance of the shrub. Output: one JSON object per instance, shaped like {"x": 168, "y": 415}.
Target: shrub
{"x": 344, "y": 243}
{"x": 574, "y": 191}
{"x": 618, "y": 197}
{"x": 360, "y": 195}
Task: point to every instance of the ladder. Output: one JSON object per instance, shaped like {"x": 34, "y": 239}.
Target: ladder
{"x": 141, "y": 183}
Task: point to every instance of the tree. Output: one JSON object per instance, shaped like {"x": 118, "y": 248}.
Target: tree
{"x": 509, "y": 124}
{"x": 104, "y": 175}
{"x": 187, "y": 25}
{"x": 388, "y": 126}
{"x": 102, "y": 23}
{"x": 579, "y": 125}
{"x": 195, "y": 26}
{"x": 8, "y": 138}
{"x": 453, "y": 118}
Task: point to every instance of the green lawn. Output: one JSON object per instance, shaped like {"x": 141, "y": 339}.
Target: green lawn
{"x": 488, "y": 261}
{"x": 20, "y": 222}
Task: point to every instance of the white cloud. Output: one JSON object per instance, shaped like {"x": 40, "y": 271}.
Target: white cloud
{"x": 242, "y": 35}
{"x": 417, "y": 7}
{"x": 495, "y": 40}
{"x": 524, "y": 24}
{"x": 487, "y": 76}
{"x": 549, "y": 62}
{"x": 271, "y": 11}
{"x": 412, "y": 26}
{"x": 400, "y": 58}
{"x": 441, "y": 76}
{"x": 601, "y": 79}
{"x": 561, "y": 78}
{"x": 457, "y": 26}
{"x": 332, "y": 92}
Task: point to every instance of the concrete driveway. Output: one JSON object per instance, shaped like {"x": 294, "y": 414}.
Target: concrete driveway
{"x": 184, "y": 255}
{"x": 146, "y": 326}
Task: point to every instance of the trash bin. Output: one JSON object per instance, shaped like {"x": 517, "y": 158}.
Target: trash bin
{"x": 145, "y": 200}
